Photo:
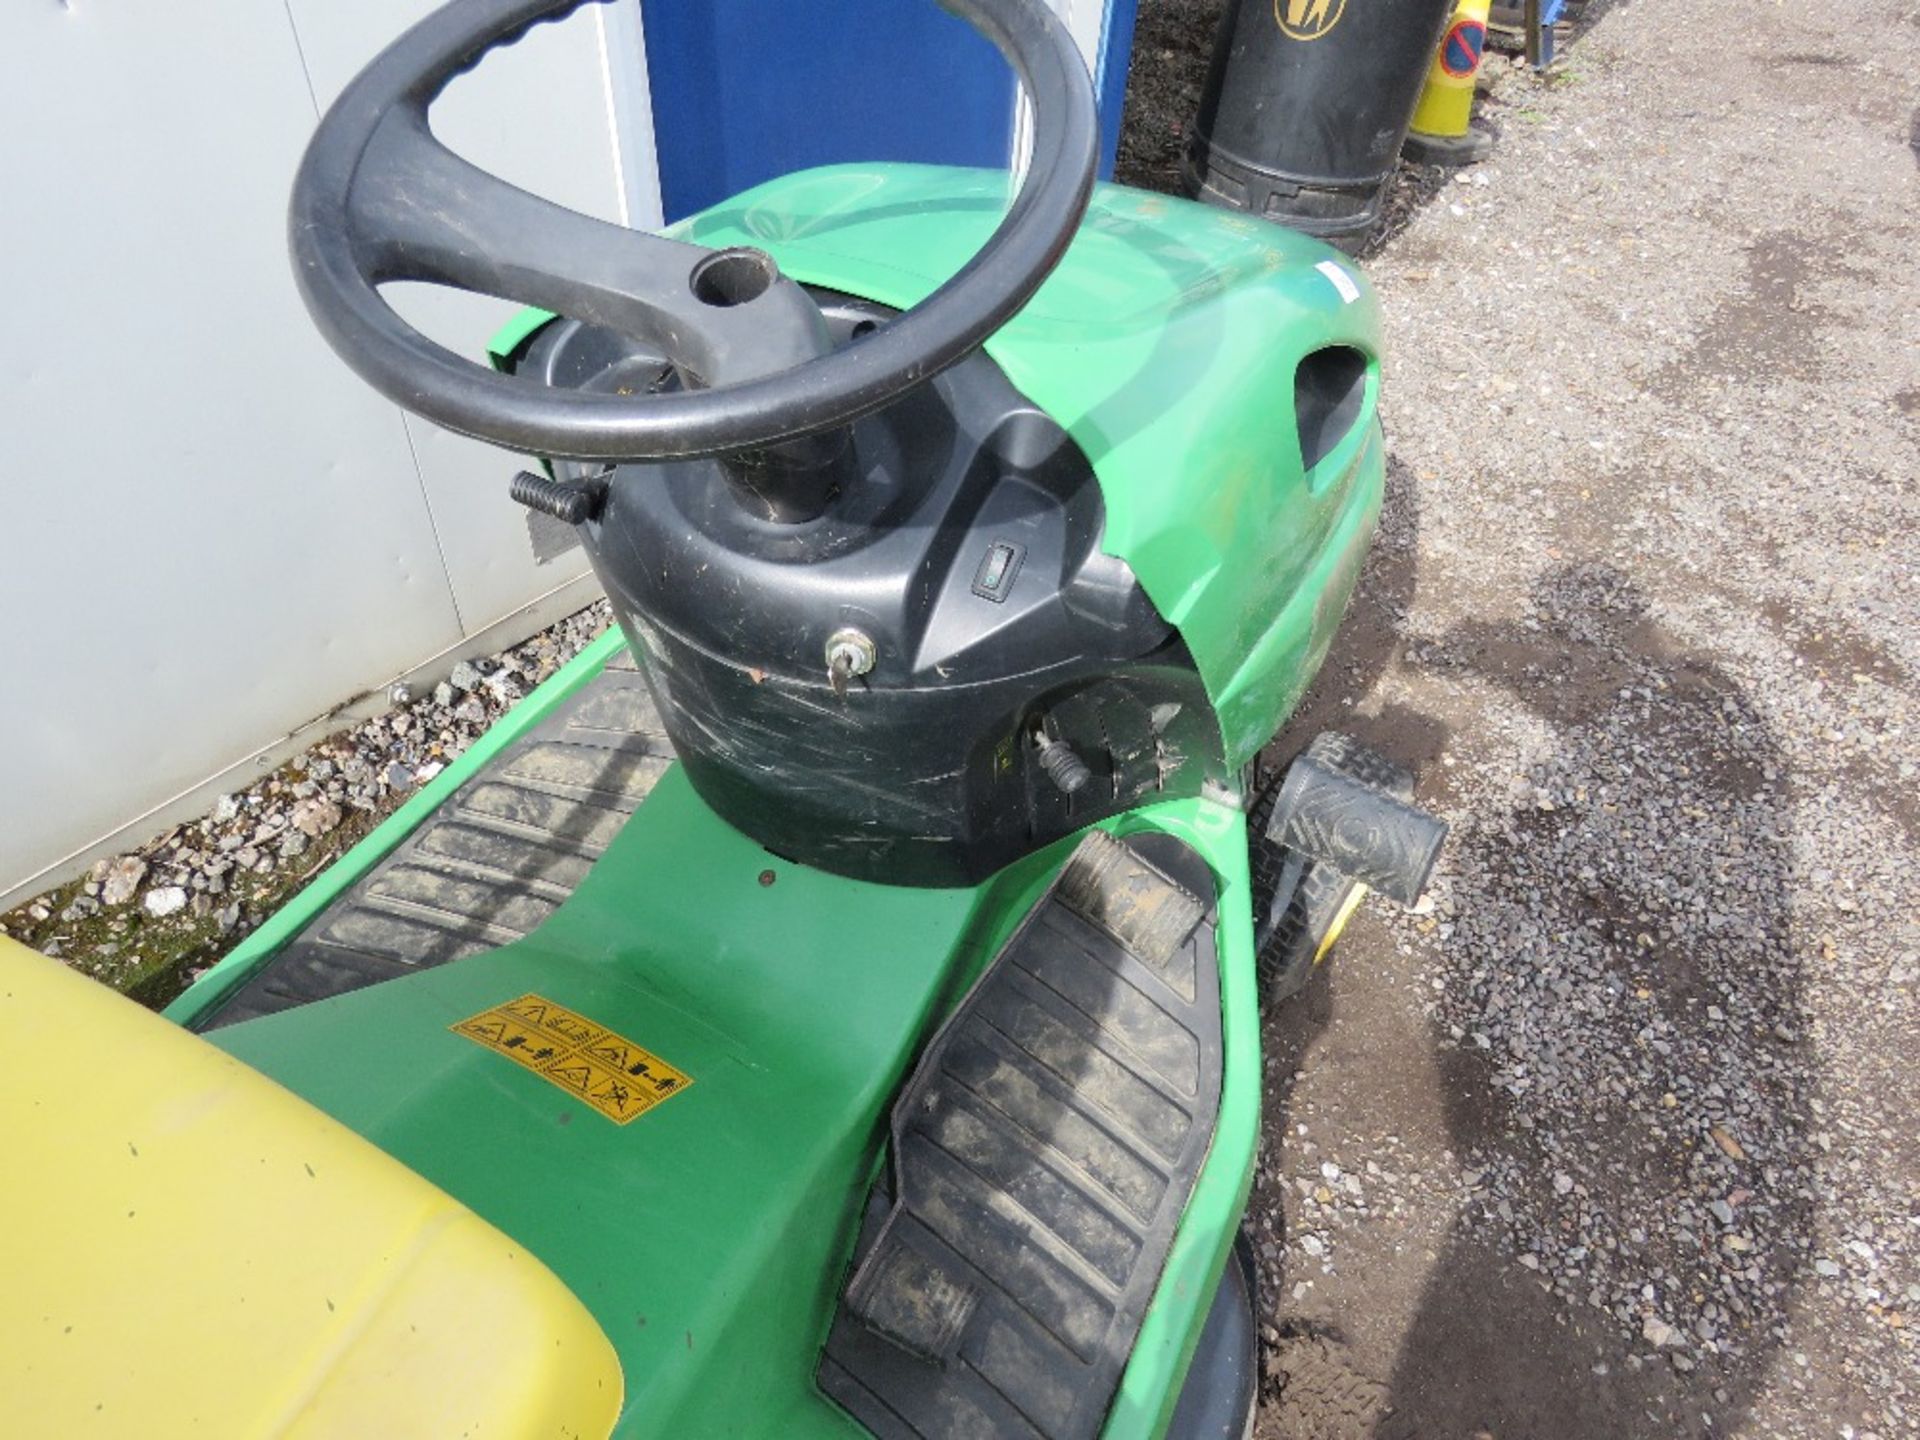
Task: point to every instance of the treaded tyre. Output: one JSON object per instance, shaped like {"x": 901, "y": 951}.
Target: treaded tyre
{"x": 1326, "y": 898}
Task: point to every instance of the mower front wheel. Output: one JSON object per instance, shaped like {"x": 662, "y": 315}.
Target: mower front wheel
{"x": 1322, "y": 904}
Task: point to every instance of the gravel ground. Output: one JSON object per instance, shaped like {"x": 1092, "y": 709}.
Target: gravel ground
{"x": 149, "y": 922}
{"x": 1614, "y": 1136}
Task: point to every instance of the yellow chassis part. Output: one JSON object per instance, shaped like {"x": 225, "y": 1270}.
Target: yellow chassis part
{"x": 1347, "y": 907}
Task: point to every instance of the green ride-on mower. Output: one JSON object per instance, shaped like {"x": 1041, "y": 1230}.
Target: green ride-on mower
{"x": 831, "y": 1005}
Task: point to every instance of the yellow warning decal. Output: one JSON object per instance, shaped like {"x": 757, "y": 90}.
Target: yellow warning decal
{"x": 612, "y": 1074}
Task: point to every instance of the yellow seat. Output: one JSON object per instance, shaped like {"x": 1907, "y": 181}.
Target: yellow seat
{"x": 186, "y": 1249}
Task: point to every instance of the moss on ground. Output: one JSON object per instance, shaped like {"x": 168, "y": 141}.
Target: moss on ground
{"x": 152, "y": 958}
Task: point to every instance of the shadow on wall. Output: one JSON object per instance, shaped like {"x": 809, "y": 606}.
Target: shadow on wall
{"x": 1620, "y": 1042}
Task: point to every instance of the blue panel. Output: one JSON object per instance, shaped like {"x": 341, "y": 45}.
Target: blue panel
{"x": 1116, "y": 53}
{"x": 747, "y": 90}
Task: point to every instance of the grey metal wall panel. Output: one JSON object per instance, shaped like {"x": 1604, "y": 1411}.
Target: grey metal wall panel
{"x": 212, "y": 531}
{"x": 537, "y": 114}
{"x": 209, "y": 536}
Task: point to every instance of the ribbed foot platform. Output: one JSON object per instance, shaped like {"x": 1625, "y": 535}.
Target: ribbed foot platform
{"x": 1042, "y": 1156}
{"x": 491, "y": 863}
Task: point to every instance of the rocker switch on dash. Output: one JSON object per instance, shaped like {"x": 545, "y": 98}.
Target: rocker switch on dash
{"x": 994, "y": 578}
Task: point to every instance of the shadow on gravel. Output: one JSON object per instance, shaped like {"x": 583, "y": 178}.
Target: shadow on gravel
{"x": 1621, "y": 1046}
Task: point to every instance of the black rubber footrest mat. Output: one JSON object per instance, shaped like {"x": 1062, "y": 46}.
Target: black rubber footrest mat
{"x": 1042, "y": 1155}
{"x": 491, "y": 863}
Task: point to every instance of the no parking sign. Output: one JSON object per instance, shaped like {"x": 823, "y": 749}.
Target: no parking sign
{"x": 1440, "y": 131}
{"x": 1460, "y": 51}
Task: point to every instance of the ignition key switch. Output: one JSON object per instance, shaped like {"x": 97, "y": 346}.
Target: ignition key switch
{"x": 850, "y": 653}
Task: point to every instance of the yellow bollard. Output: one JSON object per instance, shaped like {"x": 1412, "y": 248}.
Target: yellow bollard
{"x": 1441, "y": 134}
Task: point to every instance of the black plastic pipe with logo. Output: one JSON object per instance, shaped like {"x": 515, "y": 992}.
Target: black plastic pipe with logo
{"x": 1306, "y": 105}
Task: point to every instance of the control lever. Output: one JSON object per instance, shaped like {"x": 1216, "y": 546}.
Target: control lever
{"x": 574, "y": 503}
{"x": 1063, "y": 767}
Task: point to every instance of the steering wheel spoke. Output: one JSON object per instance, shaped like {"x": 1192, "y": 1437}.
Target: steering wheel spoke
{"x": 417, "y": 211}
{"x": 379, "y": 200}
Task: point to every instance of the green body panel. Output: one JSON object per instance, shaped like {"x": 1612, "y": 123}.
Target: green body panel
{"x": 710, "y": 1236}
{"x": 1150, "y": 1386}
{"x": 707, "y": 1235}
{"x": 520, "y": 328}
{"x": 1166, "y": 344}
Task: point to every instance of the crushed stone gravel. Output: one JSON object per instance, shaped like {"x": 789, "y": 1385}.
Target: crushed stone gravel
{"x": 204, "y": 885}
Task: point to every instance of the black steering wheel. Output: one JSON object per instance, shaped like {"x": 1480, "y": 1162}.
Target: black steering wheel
{"x": 379, "y": 199}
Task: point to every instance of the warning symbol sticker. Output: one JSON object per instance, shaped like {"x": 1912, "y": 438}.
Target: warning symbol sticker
{"x": 609, "y": 1072}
